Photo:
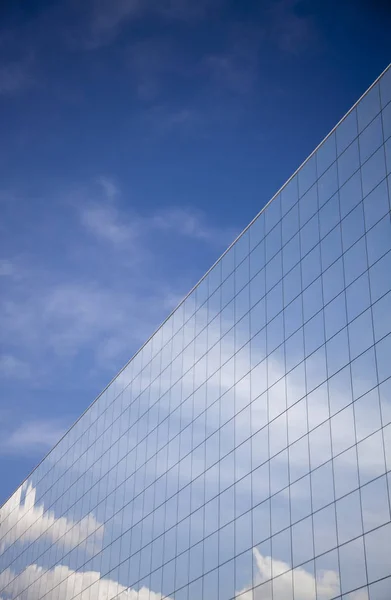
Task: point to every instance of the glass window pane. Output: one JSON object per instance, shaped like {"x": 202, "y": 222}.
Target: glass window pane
{"x": 308, "y": 205}
{"x": 328, "y": 564}
{"x": 349, "y": 521}
{"x": 348, "y": 162}
{"x": 312, "y": 299}
{"x": 290, "y": 224}
{"x": 380, "y": 277}
{"x": 289, "y": 195}
{"x": 293, "y": 316}
{"x": 329, "y": 215}
{"x": 297, "y": 421}
{"x": 387, "y": 446}
{"x": 383, "y": 353}
{"x": 257, "y": 231}
{"x": 307, "y": 175}
{"x": 345, "y": 472}
{"x": 355, "y": 261}
{"x": 273, "y": 213}
{"x": 326, "y": 154}
{"x": 367, "y": 414}
{"x": 327, "y": 184}
{"x": 331, "y": 247}
{"x": 322, "y": 482}
{"x": 309, "y": 235}
{"x": 274, "y": 301}
{"x": 273, "y": 242}
{"x": 378, "y": 552}
{"x": 364, "y": 376}
{"x": 280, "y": 512}
{"x": 388, "y": 156}
{"x": 325, "y": 530}
{"x": 311, "y": 266}
{"x": 352, "y": 565}
{"x": 361, "y": 334}
{"x": 385, "y": 87}
{"x": 299, "y": 464}
{"x": 373, "y": 171}
{"x": 379, "y": 240}
{"x": 318, "y": 406}
{"x": 352, "y": 227}
{"x": 358, "y": 296}
{"x": 371, "y": 139}
{"x": 320, "y": 445}
{"x": 370, "y": 454}
{"x": 337, "y": 349}
{"x": 300, "y": 494}
{"x": 302, "y": 541}
{"x": 375, "y": 503}
{"x": 380, "y": 589}
{"x": 340, "y": 390}
{"x": 350, "y": 194}
{"x": 386, "y": 116}
{"x": 346, "y": 131}
{"x": 343, "y": 430}
{"x": 385, "y": 401}
{"x": 368, "y": 107}
{"x": 335, "y": 317}
{"x": 314, "y": 335}
{"x": 333, "y": 281}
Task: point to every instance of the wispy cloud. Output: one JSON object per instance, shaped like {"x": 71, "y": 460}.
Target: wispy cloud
{"x": 103, "y": 221}
{"x": 23, "y": 516}
{"x": 34, "y": 436}
{"x": 7, "y": 268}
{"x": 106, "y": 221}
{"x": 14, "y": 77}
{"x": 152, "y": 62}
{"x": 86, "y": 309}
{"x": 107, "y": 18}
{"x": 291, "y": 28}
{"x": 190, "y": 223}
{"x": 12, "y": 367}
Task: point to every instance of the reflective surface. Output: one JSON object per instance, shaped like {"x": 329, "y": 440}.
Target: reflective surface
{"x": 246, "y": 449}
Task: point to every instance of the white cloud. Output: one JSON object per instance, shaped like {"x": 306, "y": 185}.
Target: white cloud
{"x": 15, "y": 77}
{"x": 13, "y": 367}
{"x": 107, "y": 18}
{"x": 7, "y": 268}
{"x": 62, "y": 583}
{"x": 103, "y": 222}
{"x": 326, "y": 583}
{"x": 107, "y": 221}
{"x": 21, "y": 516}
{"x": 74, "y": 316}
{"x": 103, "y": 219}
{"x": 188, "y": 223}
{"x": 32, "y": 436}
{"x": 291, "y": 31}
{"x": 65, "y": 584}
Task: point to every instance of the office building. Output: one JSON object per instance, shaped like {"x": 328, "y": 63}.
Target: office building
{"x": 245, "y": 451}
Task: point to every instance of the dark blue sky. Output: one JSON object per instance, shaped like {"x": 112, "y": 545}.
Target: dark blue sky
{"x": 138, "y": 137}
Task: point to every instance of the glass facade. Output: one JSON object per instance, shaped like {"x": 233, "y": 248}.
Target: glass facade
{"x": 245, "y": 450}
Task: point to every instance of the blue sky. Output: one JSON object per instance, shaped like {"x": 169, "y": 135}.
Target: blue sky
{"x": 138, "y": 137}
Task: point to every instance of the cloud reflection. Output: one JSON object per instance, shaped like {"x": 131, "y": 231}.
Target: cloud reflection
{"x": 22, "y": 519}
